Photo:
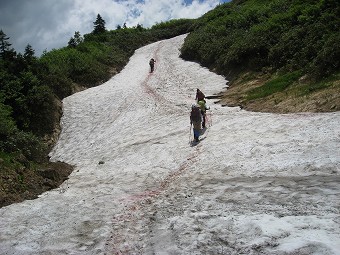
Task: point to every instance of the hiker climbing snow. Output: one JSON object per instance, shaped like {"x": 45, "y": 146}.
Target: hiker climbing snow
{"x": 152, "y": 64}
{"x": 195, "y": 121}
{"x": 199, "y": 95}
{"x": 203, "y": 107}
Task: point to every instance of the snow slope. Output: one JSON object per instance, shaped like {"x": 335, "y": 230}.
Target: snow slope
{"x": 257, "y": 183}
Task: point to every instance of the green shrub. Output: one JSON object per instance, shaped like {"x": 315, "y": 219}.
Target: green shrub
{"x": 14, "y": 140}
{"x": 275, "y": 35}
{"x": 327, "y": 60}
{"x": 43, "y": 108}
{"x": 7, "y": 124}
{"x": 27, "y": 144}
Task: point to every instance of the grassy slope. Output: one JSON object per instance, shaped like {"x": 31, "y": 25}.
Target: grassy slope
{"x": 250, "y": 91}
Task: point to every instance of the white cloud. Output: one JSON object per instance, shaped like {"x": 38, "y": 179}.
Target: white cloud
{"x": 48, "y": 24}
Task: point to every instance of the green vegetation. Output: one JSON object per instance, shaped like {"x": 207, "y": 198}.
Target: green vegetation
{"x": 273, "y": 86}
{"x": 283, "y": 35}
{"x": 283, "y": 39}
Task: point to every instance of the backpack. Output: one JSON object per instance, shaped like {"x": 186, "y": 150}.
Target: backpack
{"x": 200, "y": 96}
{"x": 195, "y": 114}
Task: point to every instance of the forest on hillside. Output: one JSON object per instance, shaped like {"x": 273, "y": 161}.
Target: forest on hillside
{"x": 279, "y": 56}
{"x": 283, "y": 35}
{"x": 285, "y": 41}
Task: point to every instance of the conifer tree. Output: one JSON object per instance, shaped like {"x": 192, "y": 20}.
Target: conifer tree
{"x": 99, "y": 25}
{"x": 5, "y": 46}
{"x": 29, "y": 52}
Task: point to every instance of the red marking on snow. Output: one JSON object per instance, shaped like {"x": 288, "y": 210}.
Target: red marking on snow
{"x": 143, "y": 199}
{"x": 145, "y": 84}
{"x": 136, "y": 202}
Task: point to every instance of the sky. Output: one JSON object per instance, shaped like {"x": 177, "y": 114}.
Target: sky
{"x": 256, "y": 183}
{"x": 48, "y": 24}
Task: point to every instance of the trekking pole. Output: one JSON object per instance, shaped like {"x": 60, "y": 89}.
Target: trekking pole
{"x": 190, "y": 132}
{"x": 210, "y": 118}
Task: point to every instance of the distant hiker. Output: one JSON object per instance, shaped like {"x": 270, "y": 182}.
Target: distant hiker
{"x": 196, "y": 120}
{"x": 152, "y": 64}
{"x": 203, "y": 108}
{"x": 199, "y": 95}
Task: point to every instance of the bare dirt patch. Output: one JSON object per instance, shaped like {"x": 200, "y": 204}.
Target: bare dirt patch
{"x": 22, "y": 182}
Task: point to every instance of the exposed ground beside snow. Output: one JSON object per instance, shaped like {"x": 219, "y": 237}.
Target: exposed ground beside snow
{"x": 257, "y": 183}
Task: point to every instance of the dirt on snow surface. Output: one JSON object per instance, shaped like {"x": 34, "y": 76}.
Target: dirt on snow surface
{"x": 256, "y": 183}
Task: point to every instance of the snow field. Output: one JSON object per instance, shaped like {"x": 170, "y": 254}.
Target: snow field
{"x": 257, "y": 183}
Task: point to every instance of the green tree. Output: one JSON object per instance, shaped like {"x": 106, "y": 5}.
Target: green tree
{"x": 5, "y": 50}
{"x": 7, "y": 124}
{"x": 4, "y": 44}
{"x": 29, "y": 57}
{"x": 29, "y": 52}
{"x": 75, "y": 40}
{"x": 139, "y": 27}
{"x": 72, "y": 43}
{"x": 99, "y": 25}
{"x": 78, "y": 38}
